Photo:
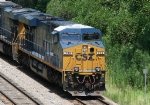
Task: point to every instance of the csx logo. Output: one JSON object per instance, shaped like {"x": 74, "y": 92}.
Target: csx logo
{"x": 84, "y": 57}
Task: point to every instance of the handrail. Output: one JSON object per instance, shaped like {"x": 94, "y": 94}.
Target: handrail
{"x": 15, "y": 40}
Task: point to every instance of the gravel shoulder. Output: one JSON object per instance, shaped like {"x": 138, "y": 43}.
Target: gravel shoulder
{"x": 49, "y": 94}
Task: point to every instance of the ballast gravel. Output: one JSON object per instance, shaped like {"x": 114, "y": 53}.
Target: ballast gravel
{"x": 33, "y": 87}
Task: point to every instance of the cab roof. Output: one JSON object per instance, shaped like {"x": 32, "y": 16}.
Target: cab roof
{"x": 73, "y": 26}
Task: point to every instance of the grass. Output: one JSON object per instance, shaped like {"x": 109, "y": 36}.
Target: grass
{"x": 124, "y": 76}
{"x": 126, "y": 95}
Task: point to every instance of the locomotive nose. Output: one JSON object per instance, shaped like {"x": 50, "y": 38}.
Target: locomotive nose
{"x": 85, "y": 65}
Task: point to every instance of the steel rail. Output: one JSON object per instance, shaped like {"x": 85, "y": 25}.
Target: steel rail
{"x": 36, "y": 101}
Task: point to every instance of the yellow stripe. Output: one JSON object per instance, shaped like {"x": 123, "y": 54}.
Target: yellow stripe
{"x": 85, "y": 73}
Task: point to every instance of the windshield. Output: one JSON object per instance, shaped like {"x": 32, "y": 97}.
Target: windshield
{"x": 70, "y": 37}
{"x": 94, "y": 36}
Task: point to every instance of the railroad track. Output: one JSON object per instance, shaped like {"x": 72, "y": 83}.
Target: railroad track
{"x": 106, "y": 101}
{"x": 95, "y": 101}
{"x": 80, "y": 101}
{"x": 15, "y": 95}
{"x": 4, "y": 100}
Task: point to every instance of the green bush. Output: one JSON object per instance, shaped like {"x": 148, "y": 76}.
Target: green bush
{"x": 126, "y": 65}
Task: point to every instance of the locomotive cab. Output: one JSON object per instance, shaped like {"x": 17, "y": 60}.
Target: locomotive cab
{"x": 83, "y": 60}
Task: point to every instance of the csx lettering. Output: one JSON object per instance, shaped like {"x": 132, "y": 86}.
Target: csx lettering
{"x": 84, "y": 57}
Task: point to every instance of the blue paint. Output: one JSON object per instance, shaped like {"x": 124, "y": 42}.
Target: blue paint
{"x": 30, "y": 19}
{"x": 14, "y": 13}
{"x": 70, "y": 43}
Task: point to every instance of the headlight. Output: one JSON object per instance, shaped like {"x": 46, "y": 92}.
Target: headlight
{"x": 84, "y": 48}
{"x": 97, "y": 69}
{"x": 76, "y": 69}
{"x": 100, "y": 53}
{"x": 68, "y": 53}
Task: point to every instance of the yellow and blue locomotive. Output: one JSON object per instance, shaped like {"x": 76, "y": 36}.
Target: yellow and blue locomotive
{"x": 63, "y": 52}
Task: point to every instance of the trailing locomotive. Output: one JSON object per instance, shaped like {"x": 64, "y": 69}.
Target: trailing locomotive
{"x": 63, "y": 52}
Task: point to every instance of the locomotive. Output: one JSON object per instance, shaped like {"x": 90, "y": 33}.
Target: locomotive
{"x": 66, "y": 53}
